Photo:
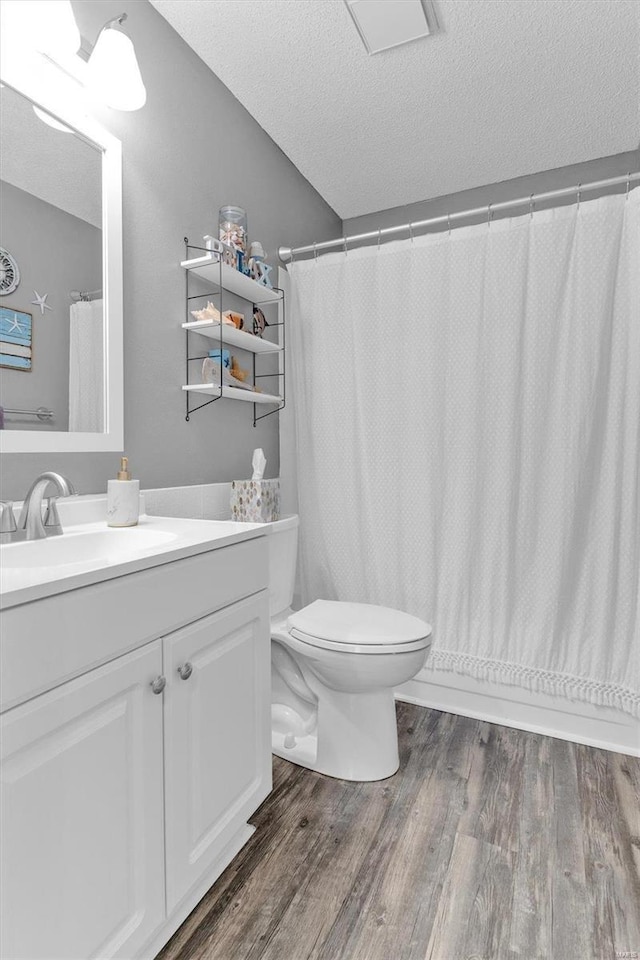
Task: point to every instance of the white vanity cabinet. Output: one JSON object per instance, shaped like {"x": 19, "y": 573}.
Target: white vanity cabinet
{"x": 126, "y": 789}
{"x": 82, "y": 822}
{"x": 217, "y": 737}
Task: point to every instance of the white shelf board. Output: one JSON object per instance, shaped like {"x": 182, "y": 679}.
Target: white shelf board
{"x": 233, "y": 393}
{"x": 232, "y": 336}
{"x": 232, "y": 280}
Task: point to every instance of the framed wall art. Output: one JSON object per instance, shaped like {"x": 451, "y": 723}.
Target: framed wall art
{"x": 16, "y": 347}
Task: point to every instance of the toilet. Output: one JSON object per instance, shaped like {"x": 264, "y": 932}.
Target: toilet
{"x": 334, "y": 665}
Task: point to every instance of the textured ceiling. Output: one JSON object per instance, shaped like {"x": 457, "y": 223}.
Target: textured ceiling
{"x": 57, "y": 167}
{"x": 507, "y": 88}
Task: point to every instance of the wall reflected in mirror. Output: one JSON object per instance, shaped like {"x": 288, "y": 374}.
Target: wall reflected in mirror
{"x": 51, "y": 304}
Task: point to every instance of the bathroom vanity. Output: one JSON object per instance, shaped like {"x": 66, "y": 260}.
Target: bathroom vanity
{"x": 135, "y": 730}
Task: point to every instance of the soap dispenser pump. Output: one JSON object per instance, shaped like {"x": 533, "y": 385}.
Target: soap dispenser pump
{"x": 123, "y": 498}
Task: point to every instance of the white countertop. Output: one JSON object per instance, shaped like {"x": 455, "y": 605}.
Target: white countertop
{"x": 36, "y": 569}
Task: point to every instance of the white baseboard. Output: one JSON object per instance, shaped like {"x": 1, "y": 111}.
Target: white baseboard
{"x": 552, "y": 716}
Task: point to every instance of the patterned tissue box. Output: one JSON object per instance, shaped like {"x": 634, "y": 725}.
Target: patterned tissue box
{"x": 255, "y": 501}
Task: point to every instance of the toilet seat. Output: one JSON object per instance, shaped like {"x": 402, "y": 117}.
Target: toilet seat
{"x": 361, "y": 628}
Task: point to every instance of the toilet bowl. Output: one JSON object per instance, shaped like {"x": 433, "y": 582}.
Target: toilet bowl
{"x": 334, "y": 665}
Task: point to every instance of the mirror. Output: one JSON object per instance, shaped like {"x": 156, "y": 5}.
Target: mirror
{"x": 60, "y": 278}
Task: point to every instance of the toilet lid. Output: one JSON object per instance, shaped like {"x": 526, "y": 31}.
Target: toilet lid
{"x": 358, "y": 624}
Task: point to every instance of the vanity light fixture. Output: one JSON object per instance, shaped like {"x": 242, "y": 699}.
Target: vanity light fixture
{"x": 51, "y": 120}
{"x": 113, "y": 74}
{"x": 48, "y": 26}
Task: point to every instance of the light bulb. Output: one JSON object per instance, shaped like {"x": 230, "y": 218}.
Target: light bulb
{"x": 113, "y": 74}
{"x": 45, "y": 25}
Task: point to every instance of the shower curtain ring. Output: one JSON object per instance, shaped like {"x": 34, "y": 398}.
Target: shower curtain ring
{"x": 315, "y": 251}
{"x": 345, "y": 246}
{"x": 411, "y": 232}
{"x": 531, "y": 206}
{"x": 489, "y": 215}
{"x": 628, "y": 185}
{"x": 579, "y": 192}
{"x": 379, "y": 236}
{"x": 449, "y": 223}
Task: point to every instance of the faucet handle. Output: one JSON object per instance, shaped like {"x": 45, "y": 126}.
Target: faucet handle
{"x": 52, "y": 525}
{"x": 7, "y": 517}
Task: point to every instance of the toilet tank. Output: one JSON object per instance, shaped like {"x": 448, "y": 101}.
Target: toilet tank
{"x": 282, "y": 536}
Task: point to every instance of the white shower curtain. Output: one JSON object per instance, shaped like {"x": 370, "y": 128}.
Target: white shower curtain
{"x": 86, "y": 367}
{"x": 467, "y": 416}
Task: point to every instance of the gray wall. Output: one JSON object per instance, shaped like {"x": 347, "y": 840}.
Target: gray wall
{"x": 190, "y": 150}
{"x": 56, "y": 253}
{"x": 600, "y": 169}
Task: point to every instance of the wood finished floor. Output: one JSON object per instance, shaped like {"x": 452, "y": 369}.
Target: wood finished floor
{"x": 489, "y": 843}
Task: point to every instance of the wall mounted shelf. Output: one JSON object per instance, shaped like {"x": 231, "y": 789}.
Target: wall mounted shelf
{"x": 232, "y": 280}
{"x": 226, "y": 280}
{"x": 232, "y": 336}
{"x": 233, "y": 393}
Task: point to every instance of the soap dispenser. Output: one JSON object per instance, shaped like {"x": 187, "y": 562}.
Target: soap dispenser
{"x": 123, "y": 498}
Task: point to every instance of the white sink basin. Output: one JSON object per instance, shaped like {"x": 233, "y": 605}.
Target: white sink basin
{"x": 90, "y": 552}
{"x": 108, "y": 546}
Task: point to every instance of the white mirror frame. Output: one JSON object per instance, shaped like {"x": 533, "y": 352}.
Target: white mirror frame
{"x": 43, "y": 83}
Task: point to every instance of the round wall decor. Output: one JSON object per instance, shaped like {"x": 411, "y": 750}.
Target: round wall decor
{"x": 9, "y": 273}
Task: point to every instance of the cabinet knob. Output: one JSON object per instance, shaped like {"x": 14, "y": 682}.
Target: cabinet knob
{"x": 185, "y": 671}
{"x": 158, "y": 684}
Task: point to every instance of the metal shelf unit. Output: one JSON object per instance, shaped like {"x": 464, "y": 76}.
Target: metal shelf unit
{"x": 224, "y": 278}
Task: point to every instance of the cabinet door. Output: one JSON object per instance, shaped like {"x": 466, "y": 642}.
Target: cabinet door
{"x": 217, "y": 737}
{"x": 82, "y": 829}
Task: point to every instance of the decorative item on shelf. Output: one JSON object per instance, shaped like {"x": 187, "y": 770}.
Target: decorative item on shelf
{"x": 233, "y": 227}
{"x": 237, "y": 319}
{"x": 237, "y": 371}
{"x": 256, "y": 500}
{"x": 259, "y": 322}
{"x": 258, "y": 269}
{"x": 212, "y": 372}
{"x": 265, "y": 275}
{"x": 229, "y": 257}
{"x": 41, "y": 301}
{"x": 213, "y": 246}
{"x": 221, "y": 356}
{"x": 16, "y": 345}
{"x": 256, "y": 256}
{"x": 241, "y": 265}
{"x": 212, "y": 314}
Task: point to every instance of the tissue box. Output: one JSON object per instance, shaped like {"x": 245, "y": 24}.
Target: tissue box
{"x": 255, "y": 501}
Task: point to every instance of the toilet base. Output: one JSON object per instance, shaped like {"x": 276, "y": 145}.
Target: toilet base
{"x": 356, "y": 738}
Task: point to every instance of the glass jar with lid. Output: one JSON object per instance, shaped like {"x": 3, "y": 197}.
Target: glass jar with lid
{"x": 233, "y": 227}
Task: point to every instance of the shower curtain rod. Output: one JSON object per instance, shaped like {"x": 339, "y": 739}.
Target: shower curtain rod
{"x": 287, "y": 253}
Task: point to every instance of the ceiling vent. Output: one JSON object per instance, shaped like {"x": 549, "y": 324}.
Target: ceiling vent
{"x": 383, "y": 24}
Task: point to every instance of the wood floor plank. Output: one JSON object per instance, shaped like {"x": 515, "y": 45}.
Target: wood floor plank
{"x": 495, "y": 790}
{"x": 567, "y": 885}
{"x": 475, "y": 906}
{"x": 626, "y": 779}
{"x": 610, "y": 855}
{"x": 531, "y": 919}
{"x": 489, "y": 843}
{"x": 399, "y": 885}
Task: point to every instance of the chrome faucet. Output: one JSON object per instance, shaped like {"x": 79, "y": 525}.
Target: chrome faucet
{"x": 8, "y": 529}
{"x": 31, "y": 515}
